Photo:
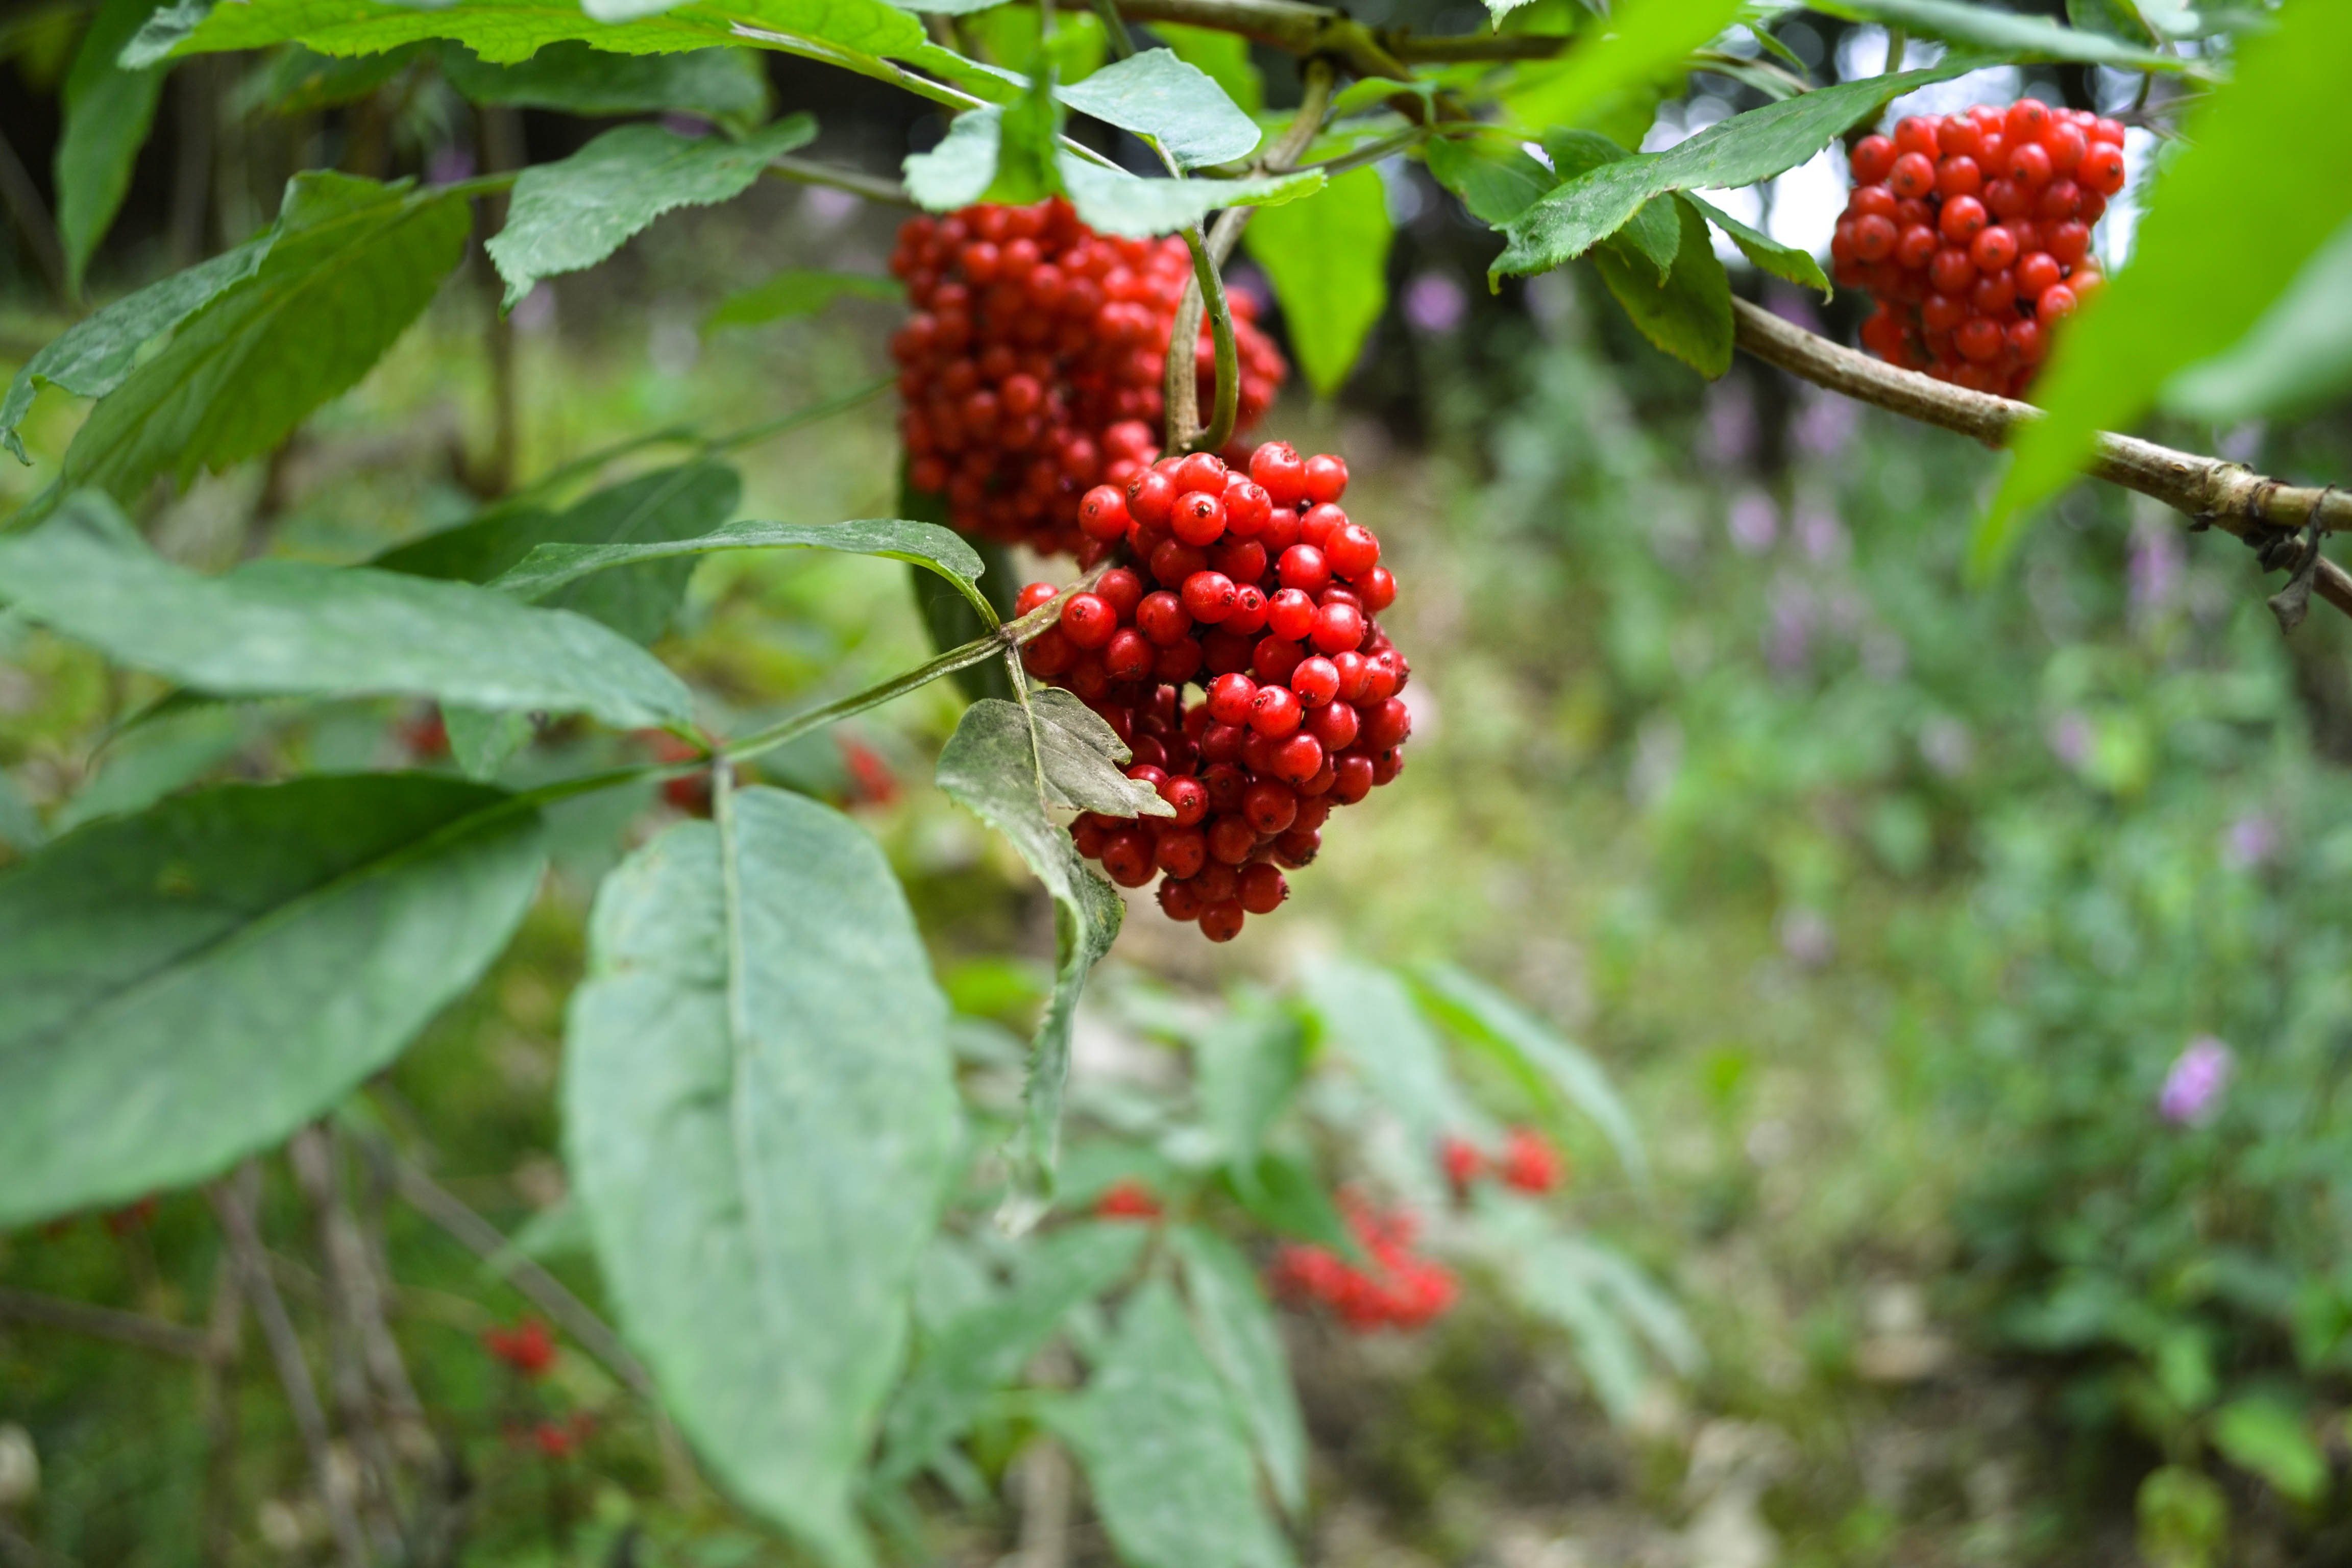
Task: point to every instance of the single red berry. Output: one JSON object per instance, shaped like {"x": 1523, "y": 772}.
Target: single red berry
{"x": 1303, "y": 567}
{"x": 1122, "y": 590}
{"x": 1995, "y": 292}
{"x": 1209, "y": 596}
{"x": 2026, "y": 341}
{"x": 1249, "y": 612}
{"x": 1335, "y": 724}
{"x": 1951, "y": 271}
{"x": 1189, "y": 798}
{"x": 1913, "y": 175}
{"x": 1316, "y": 525}
{"x": 1247, "y": 506}
{"x": 1297, "y": 759}
{"x": 1202, "y": 473}
{"x": 1037, "y": 596}
{"x": 2027, "y": 119}
{"x": 1222, "y": 922}
{"x": 1263, "y": 889}
{"x": 2056, "y": 303}
{"x": 1379, "y": 588}
{"x": 1267, "y": 808}
{"x": 1913, "y": 247}
{"x": 1993, "y": 249}
{"x": 1179, "y": 899}
{"x": 2028, "y": 164}
{"x": 1179, "y": 662}
{"x": 1275, "y": 710}
{"x": 1917, "y": 134}
{"x": 1872, "y": 158}
{"x": 1127, "y": 856}
{"x": 1327, "y": 478}
{"x": 1875, "y": 238}
{"x": 2037, "y": 273}
{"x": 1172, "y": 560}
{"x": 1181, "y": 851}
{"x": 1317, "y": 681}
{"x": 1230, "y": 839}
{"x": 1963, "y": 218}
{"x": 1230, "y": 697}
{"x": 1102, "y": 514}
{"x": 1354, "y": 778}
{"x": 2069, "y": 243}
{"x": 1275, "y": 466}
{"x": 1127, "y": 1198}
{"x": 1958, "y": 176}
{"x": 1290, "y": 613}
{"x": 1150, "y": 495}
{"x": 1980, "y": 337}
{"x": 2066, "y": 144}
{"x": 1161, "y": 616}
{"x": 1087, "y": 620}
{"x": 1385, "y": 725}
{"x": 1339, "y": 628}
{"x": 2101, "y": 172}
{"x": 1198, "y": 516}
{"x": 2008, "y": 200}
{"x": 1274, "y": 658}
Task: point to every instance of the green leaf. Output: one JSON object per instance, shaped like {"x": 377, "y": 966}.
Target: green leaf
{"x": 1237, "y": 1330}
{"x": 797, "y": 291}
{"x": 948, "y": 616}
{"x": 506, "y": 32}
{"x": 1328, "y": 260}
{"x": 1689, "y": 315}
{"x": 1177, "y": 105}
{"x": 191, "y": 985}
{"x": 759, "y": 1117}
{"x": 1610, "y": 1308}
{"x": 1785, "y": 262}
{"x": 1368, "y": 1015}
{"x": 93, "y": 356}
{"x": 20, "y": 825}
{"x": 2294, "y": 361}
{"x": 1246, "y": 1065}
{"x": 1639, "y": 41}
{"x": 1224, "y": 57}
{"x": 140, "y": 765}
{"x": 2116, "y": 18}
{"x": 1116, "y": 202}
{"x": 1547, "y": 1069}
{"x": 1086, "y": 760}
{"x": 1655, "y": 232}
{"x": 2273, "y": 1440}
{"x": 987, "y": 1346}
{"x": 1496, "y": 180}
{"x": 348, "y": 265}
{"x": 1030, "y": 123}
{"x": 727, "y": 85}
{"x": 1738, "y": 152}
{"x": 1283, "y": 1195}
{"x": 2200, "y": 274}
{"x": 295, "y": 628}
{"x": 958, "y": 171}
{"x": 552, "y": 567}
{"x": 107, "y": 112}
{"x": 637, "y": 601}
{"x": 296, "y": 81}
{"x": 990, "y": 767}
{"x": 2008, "y": 33}
{"x": 481, "y": 739}
{"x": 1167, "y": 1461}
{"x": 569, "y": 216}
{"x": 2184, "y": 1519}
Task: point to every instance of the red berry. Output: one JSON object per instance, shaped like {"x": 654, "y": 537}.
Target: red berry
{"x": 1102, "y": 514}
{"x": 1914, "y": 175}
{"x": 1335, "y": 724}
{"x": 1304, "y": 568}
{"x": 1249, "y": 612}
{"x": 1993, "y": 249}
{"x": 1179, "y": 899}
{"x": 1202, "y": 472}
{"x": 2028, "y": 164}
{"x": 1161, "y": 616}
{"x": 1262, "y": 889}
{"x": 1209, "y": 596}
{"x": 1385, "y": 725}
{"x": 1277, "y": 467}
{"x": 2101, "y": 171}
{"x": 1150, "y": 495}
{"x": 1339, "y": 628}
{"x": 1872, "y": 158}
{"x": 2037, "y": 273}
{"x": 1317, "y": 681}
{"x": 1247, "y": 506}
{"x": 1230, "y": 697}
{"x": 1198, "y": 517}
{"x": 2057, "y": 302}
{"x": 1189, "y": 798}
{"x": 1128, "y": 656}
{"x": 1267, "y": 808}
{"x": 2027, "y": 119}
{"x": 1325, "y": 475}
{"x": 1222, "y": 922}
{"x": 1087, "y": 620}
{"x": 1127, "y": 856}
{"x": 1275, "y": 710}
{"x": 1958, "y": 176}
{"x": 1379, "y": 588}
{"x": 1036, "y": 596}
{"x": 1875, "y": 238}
{"x": 1963, "y": 218}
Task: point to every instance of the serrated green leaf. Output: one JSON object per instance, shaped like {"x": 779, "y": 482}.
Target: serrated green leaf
{"x": 1177, "y": 105}
{"x": 1638, "y": 40}
{"x": 2116, "y": 18}
{"x": 1085, "y": 760}
{"x": 2273, "y": 1440}
{"x": 1736, "y": 151}
{"x": 759, "y": 1117}
{"x": 1328, "y": 259}
{"x": 294, "y": 628}
{"x": 1547, "y": 1067}
{"x": 568, "y": 217}
{"x": 1785, "y": 262}
{"x": 797, "y": 291}
{"x": 551, "y": 567}
{"x": 727, "y": 85}
{"x": 1496, "y": 180}
{"x": 1246, "y": 1065}
{"x": 1237, "y": 1330}
{"x": 987, "y": 1346}
{"x": 191, "y": 985}
{"x": 2008, "y": 33}
{"x": 348, "y": 265}
{"x": 1368, "y": 1018}
{"x": 107, "y": 110}
{"x": 1116, "y": 202}
{"x": 1689, "y": 315}
{"x": 2200, "y": 275}
{"x": 988, "y": 766}
{"x": 506, "y": 32}
{"x": 2294, "y": 361}
{"x": 958, "y": 171}
{"x": 1224, "y": 57}
{"x": 1165, "y": 1458}
{"x": 93, "y": 356}
{"x": 1654, "y": 233}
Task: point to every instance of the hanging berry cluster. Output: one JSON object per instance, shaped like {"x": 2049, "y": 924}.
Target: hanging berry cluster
{"x": 1400, "y": 1290}
{"x": 1032, "y": 369}
{"x": 1974, "y": 232}
{"x": 1255, "y": 585}
{"x": 1526, "y": 1162}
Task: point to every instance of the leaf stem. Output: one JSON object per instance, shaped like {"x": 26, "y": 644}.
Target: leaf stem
{"x": 873, "y": 187}
{"x": 1122, "y": 42}
{"x": 1212, "y": 285}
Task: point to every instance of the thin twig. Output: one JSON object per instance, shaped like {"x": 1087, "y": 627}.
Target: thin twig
{"x": 873, "y": 187}
{"x": 1122, "y": 42}
{"x": 235, "y": 1200}
{"x": 216, "y": 1391}
{"x": 2225, "y": 495}
{"x": 133, "y": 1329}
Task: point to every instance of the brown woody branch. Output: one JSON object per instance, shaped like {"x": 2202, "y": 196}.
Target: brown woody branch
{"x": 2223, "y": 495}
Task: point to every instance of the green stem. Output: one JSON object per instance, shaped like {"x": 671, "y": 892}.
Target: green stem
{"x": 1897, "y": 39}
{"x": 873, "y": 187}
{"x": 1221, "y": 331}
{"x": 1122, "y": 42}
{"x": 1372, "y": 152}
{"x": 976, "y": 651}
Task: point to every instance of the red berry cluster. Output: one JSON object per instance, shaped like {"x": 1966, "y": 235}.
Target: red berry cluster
{"x": 1127, "y": 1198}
{"x": 1526, "y": 1162}
{"x": 553, "y": 1439}
{"x": 528, "y": 1347}
{"x": 1974, "y": 231}
{"x": 1255, "y": 587}
{"x": 1031, "y": 368}
{"x": 1401, "y": 1291}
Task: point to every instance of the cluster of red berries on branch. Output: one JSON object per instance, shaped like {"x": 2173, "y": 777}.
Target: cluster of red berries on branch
{"x": 528, "y": 1347}
{"x": 1032, "y": 369}
{"x": 1400, "y": 1290}
{"x": 1974, "y": 232}
{"x": 1252, "y": 585}
{"x": 1527, "y": 1162}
